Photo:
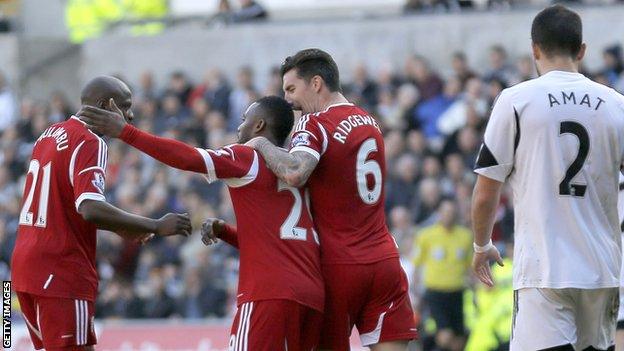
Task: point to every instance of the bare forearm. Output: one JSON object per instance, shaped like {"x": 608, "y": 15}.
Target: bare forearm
{"x": 485, "y": 200}
{"x": 108, "y": 217}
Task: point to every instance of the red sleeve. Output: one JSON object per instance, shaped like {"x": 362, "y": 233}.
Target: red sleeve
{"x": 230, "y": 235}
{"x": 234, "y": 161}
{"x": 168, "y": 151}
{"x": 237, "y": 164}
{"x": 309, "y": 137}
{"x": 87, "y": 170}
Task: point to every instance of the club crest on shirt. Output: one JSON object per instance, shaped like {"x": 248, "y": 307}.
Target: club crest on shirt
{"x": 302, "y": 139}
{"x": 98, "y": 181}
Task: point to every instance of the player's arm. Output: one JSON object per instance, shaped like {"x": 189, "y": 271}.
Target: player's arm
{"x": 214, "y": 228}
{"x": 169, "y": 151}
{"x": 230, "y": 162}
{"x": 87, "y": 176}
{"x": 494, "y": 164}
{"x": 293, "y": 168}
{"x": 130, "y": 226}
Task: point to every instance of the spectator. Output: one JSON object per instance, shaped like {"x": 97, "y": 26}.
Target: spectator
{"x": 158, "y": 303}
{"x": 241, "y": 97}
{"x": 526, "y": 68}
{"x": 500, "y": 68}
{"x": 250, "y": 10}
{"x": 363, "y": 88}
{"x": 173, "y": 113}
{"x": 469, "y": 102}
{"x": 218, "y": 92}
{"x": 428, "y": 83}
{"x": 429, "y": 196}
{"x": 401, "y": 188}
{"x": 60, "y": 109}
{"x": 180, "y": 87}
{"x": 7, "y": 105}
{"x": 614, "y": 64}
{"x": 443, "y": 254}
{"x": 194, "y": 126}
{"x": 274, "y": 86}
{"x": 461, "y": 70}
{"x": 429, "y": 110}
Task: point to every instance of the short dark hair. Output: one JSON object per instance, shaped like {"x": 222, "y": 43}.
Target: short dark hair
{"x": 314, "y": 62}
{"x": 279, "y": 116}
{"x": 557, "y": 30}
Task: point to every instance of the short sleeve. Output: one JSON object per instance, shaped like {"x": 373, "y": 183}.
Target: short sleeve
{"x": 309, "y": 137}
{"x": 87, "y": 170}
{"x": 236, "y": 164}
{"x": 496, "y": 156}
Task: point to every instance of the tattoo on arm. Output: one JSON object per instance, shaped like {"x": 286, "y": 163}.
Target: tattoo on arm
{"x": 294, "y": 169}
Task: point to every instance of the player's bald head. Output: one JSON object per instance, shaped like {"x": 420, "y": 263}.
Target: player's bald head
{"x": 103, "y": 88}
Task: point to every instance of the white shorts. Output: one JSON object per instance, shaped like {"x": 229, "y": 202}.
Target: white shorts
{"x": 545, "y": 318}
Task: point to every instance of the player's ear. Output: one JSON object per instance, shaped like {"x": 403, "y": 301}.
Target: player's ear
{"x": 537, "y": 53}
{"x": 260, "y": 125}
{"x": 581, "y": 52}
{"x": 102, "y": 103}
{"x": 317, "y": 83}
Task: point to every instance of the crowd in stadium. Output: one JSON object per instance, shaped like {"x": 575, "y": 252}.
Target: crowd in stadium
{"x": 432, "y": 125}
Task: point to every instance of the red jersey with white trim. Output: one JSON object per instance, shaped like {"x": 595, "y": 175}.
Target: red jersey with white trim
{"x": 54, "y": 253}
{"x": 279, "y": 249}
{"x": 347, "y": 186}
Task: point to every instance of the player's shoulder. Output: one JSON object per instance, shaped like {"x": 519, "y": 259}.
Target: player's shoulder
{"x": 239, "y": 148}
{"x": 526, "y": 87}
{"x": 235, "y": 151}
{"x": 77, "y": 130}
{"x": 338, "y": 110}
{"x": 617, "y": 96}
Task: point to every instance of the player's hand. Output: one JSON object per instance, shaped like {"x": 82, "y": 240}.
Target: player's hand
{"x": 174, "y": 224}
{"x": 255, "y": 142}
{"x": 481, "y": 265}
{"x": 109, "y": 123}
{"x": 211, "y": 230}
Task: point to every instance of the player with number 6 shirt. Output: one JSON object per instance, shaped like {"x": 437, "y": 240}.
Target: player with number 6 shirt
{"x": 337, "y": 150}
{"x": 280, "y": 292}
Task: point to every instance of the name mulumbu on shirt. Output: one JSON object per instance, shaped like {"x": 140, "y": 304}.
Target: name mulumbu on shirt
{"x": 59, "y": 134}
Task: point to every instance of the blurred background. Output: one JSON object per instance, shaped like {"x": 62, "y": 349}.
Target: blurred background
{"x": 429, "y": 71}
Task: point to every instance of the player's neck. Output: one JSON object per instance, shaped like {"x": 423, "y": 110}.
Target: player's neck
{"x": 332, "y": 99}
{"x": 270, "y": 138}
{"x": 558, "y": 64}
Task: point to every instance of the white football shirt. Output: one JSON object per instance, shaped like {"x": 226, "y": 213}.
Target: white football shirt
{"x": 621, "y": 218}
{"x": 559, "y": 142}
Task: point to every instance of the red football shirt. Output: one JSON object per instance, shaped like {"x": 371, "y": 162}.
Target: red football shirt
{"x": 279, "y": 249}
{"x": 347, "y": 186}
{"x": 55, "y": 249}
